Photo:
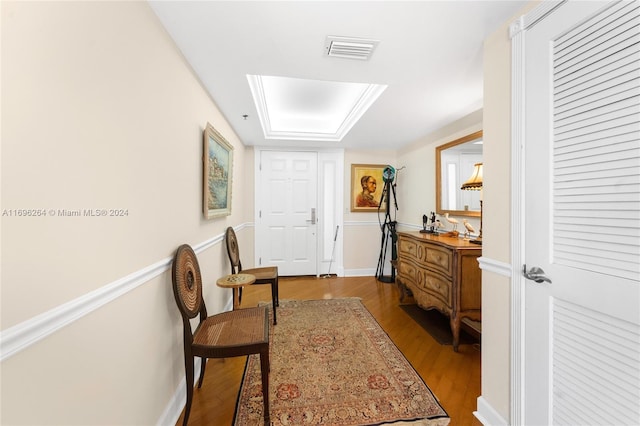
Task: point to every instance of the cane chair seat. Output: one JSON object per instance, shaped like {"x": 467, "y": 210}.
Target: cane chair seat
{"x": 264, "y": 274}
{"x": 220, "y": 333}
{"x": 227, "y": 334}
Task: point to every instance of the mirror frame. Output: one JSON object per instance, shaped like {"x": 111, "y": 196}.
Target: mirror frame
{"x": 439, "y": 149}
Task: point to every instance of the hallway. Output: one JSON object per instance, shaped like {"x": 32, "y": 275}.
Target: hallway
{"x": 453, "y": 377}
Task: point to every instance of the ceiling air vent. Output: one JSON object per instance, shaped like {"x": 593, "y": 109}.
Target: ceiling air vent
{"x": 349, "y": 47}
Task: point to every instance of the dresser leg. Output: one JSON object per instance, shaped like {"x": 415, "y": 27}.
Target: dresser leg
{"x": 401, "y": 288}
{"x": 455, "y": 330}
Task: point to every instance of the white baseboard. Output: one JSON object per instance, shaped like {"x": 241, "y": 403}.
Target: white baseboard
{"x": 487, "y": 415}
{"x": 174, "y": 408}
{"x": 359, "y": 272}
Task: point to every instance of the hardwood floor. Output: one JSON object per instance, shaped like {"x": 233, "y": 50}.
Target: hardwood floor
{"x": 453, "y": 377}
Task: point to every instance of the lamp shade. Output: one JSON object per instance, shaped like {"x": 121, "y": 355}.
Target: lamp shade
{"x": 474, "y": 183}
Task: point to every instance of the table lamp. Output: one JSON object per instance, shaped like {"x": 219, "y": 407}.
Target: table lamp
{"x": 474, "y": 183}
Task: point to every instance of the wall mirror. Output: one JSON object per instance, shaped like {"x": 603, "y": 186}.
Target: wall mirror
{"x": 454, "y": 165}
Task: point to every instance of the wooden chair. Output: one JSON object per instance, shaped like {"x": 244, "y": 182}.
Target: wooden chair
{"x": 228, "y": 334}
{"x": 264, "y": 275}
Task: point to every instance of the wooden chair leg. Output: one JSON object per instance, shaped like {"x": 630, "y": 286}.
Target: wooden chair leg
{"x": 188, "y": 366}
{"x": 264, "y": 370}
{"x": 274, "y": 300}
{"x": 202, "y": 367}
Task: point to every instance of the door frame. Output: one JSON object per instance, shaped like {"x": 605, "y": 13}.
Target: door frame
{"x": 324, "y": 157}
{"x": 517, "y": 32}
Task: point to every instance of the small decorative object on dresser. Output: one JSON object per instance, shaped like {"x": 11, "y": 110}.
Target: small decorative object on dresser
{"x": 432, "y": 224}
{"x": 442, "y": 273}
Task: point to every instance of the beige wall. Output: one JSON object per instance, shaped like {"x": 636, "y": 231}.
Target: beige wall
{"x": 362, "y": 235}
{"x": 100, "y": 111}
{"x": 496, "y": 221}
{"x": 415, "y": 191}
{"x": 416, "y": 183}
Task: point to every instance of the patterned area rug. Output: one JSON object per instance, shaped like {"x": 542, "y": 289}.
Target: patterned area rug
{"x": 332, "y": 364}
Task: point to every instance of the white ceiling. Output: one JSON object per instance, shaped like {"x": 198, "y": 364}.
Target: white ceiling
{"x": 429, "y": 55}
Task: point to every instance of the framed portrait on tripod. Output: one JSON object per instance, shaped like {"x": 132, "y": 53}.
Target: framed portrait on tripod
{"x": 366, "y": 187}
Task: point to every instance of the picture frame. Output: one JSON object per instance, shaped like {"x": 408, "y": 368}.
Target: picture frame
{"x": 362, "y": 199}
{"x": 218, "y": 174}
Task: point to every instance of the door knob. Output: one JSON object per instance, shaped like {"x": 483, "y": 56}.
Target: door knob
{"x": 313, "y": 219}
{"x": 536, "y": 274}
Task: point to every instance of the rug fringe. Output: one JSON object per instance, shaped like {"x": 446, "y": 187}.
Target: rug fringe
{"x": 444, "y": 421}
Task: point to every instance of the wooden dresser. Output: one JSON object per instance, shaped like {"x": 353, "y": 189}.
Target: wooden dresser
{"x": 442, "y": 273}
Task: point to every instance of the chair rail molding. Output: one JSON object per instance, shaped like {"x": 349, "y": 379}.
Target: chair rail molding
{"x": 21, "y": 336}
{"x": 496, "y": 266}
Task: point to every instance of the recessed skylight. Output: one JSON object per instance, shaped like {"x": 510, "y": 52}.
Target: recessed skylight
{"x": 300, "y": 109}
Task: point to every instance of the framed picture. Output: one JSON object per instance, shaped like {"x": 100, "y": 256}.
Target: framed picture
{"x": 366, "y": 187}
{"x": 218, "y": 171}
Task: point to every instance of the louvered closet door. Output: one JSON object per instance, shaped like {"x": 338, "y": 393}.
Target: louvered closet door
{"x": 582, "y": 207}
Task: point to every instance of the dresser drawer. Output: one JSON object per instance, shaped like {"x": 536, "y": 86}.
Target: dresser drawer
{"x": 436, "y": 286}
{"x": 418, "y": 280}
{"x": 436, "y": 258}
{"x": 407, "y": 249}
{"x": 427, "y": 255}
{"x": 407, "y": 271}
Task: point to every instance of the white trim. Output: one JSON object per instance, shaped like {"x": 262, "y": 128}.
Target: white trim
{"x": 359, "y": 105}
{"x": 369, "y": 272}
{"x": 409, "y": 226}
{"x": 21, "y": 336}
{"x": 487, "y": 415}
{"x": 517, "y": 221}
{"x": 518, "y": 30}
{"x": 540, "y": 12}
{"x": 171, "y": 413}
{"x": 361, "y": 223}
{"x": 491, "y": 265}
{"x": 26, "y": 333}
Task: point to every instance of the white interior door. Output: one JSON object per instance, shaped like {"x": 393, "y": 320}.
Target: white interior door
{"x": 286, "y": 229}
{"x": 582, "y": 208}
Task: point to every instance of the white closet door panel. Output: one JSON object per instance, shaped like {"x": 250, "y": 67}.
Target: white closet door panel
{"x": 596, "y": 150}
{"x": 622, "y": 178}
{"x": 622, "y": 89}
{"x": 612, "y": 17}
{"x": 597, "y": 70}
{"x": 588, "y": 390}
{"x": 625, "y": 122}
{"x": 599, "y": 115}
{"x": 596, "y": 146}
{"x": 593, "y": 41}
{"x": 571, "y": 110}
{"x": 605, "y": 214}
{"x": 582, "y": 204}
{"x": 593, "y": 52}
{"x": 575, "y": 252}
